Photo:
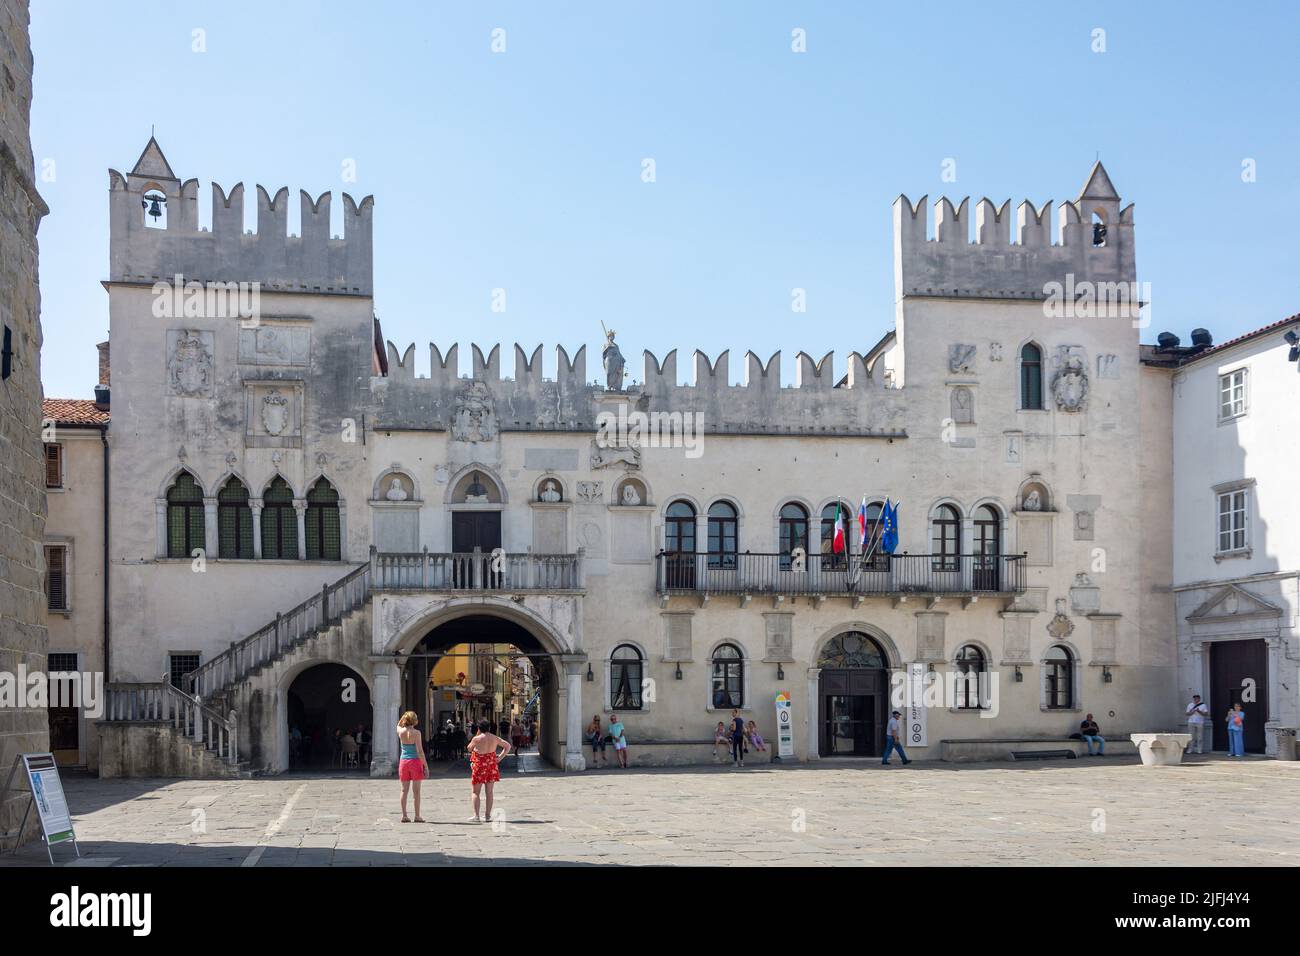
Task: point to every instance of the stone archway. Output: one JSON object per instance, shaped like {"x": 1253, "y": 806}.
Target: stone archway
{"x": 893, "y": 661}
{"x": 319, "y": 697}
{"x": 403, "y": 621}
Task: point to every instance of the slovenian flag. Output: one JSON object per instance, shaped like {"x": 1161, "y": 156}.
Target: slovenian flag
{"x": 837, "y": 545}
{"x": 862, "y": 524}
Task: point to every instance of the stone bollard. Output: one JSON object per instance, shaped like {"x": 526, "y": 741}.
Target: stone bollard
{"x": 1161, "y": 750}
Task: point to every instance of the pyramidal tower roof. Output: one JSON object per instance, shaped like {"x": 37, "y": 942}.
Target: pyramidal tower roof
{"x": 153, "y": 163}
{"x": 1098, "y": 185}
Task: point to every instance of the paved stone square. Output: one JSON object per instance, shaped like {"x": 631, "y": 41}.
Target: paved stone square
{"x": 1111, "y": 812}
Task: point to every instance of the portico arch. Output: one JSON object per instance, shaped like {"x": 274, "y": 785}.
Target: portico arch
{"x": 557, "y": 640}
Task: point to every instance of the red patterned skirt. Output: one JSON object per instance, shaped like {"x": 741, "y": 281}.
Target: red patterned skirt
{"x": 483, "y": 767}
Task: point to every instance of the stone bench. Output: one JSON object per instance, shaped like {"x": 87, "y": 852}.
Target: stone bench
{"x": 980, "y": 749}
{"x": 1161, "y": 750}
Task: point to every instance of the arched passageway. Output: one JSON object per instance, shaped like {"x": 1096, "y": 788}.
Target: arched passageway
{"x": 483, "y": 667}
{"x": 330, "y": 721}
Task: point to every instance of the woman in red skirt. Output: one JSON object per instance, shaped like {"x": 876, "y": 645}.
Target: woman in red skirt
{"x": 483, "y": 760}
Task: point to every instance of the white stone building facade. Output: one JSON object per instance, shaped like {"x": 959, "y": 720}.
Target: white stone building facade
{"x": 261, "y": 460}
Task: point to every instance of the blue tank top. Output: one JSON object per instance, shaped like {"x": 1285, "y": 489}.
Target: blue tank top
{"x": 409, "y": 752}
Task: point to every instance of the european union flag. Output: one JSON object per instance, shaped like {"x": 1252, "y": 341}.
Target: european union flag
{"x": 889, "y": 531}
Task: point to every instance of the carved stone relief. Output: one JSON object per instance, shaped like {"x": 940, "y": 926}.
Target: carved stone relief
{"x": 1070, "y": 380}
{"x": 961, "y": 358}
{"x": 190, "y": 363}
{"x": 474, "y": 415}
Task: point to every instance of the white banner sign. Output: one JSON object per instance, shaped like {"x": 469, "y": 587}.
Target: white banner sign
{"x": 914, "y": 714}
{"x": 784, "y": 726}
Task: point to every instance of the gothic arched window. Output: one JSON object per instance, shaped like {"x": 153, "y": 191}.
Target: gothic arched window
{"x": 185, "y": 529}
{"x": 234, "y": 521}
{"x": 324, "y": 537}
{"x": 279, "y": 522}
{"x": 1031, "y": 377}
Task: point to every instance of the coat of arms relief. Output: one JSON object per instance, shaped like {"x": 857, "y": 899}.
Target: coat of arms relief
{"x": 1070, "y": 381}
{"x": 189, "y": 362}
{"x": 474, "y": 414}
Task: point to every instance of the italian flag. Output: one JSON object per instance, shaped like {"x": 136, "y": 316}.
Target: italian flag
{"x": 837, "y": 544}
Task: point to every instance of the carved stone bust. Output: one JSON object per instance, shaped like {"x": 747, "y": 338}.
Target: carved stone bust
{"x": 395, "y": 491}
{"x": 1033, "y": 500}
{"x": 630, "y": 495}
{"x": 549, "y": 493}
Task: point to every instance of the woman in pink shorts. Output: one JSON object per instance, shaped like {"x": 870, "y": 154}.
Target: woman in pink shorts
{"x": 412, "y": 767}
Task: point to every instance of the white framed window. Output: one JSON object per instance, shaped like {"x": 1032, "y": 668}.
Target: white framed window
{"x": 1233, "y": 514}
{"x": 1232, "y": 394}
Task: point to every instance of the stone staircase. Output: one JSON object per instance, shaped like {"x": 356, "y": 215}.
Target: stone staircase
{"x": 223, "y": 723}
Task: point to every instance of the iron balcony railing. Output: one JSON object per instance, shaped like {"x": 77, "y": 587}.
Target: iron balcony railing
{"x": 896, "y": 574}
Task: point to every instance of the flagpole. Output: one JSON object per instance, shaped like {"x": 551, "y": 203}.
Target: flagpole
{"x": 881, "y": 535}
{"x": 879, "y": 532}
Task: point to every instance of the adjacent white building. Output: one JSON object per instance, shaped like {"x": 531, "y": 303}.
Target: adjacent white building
{"x": 1236, "y": 575}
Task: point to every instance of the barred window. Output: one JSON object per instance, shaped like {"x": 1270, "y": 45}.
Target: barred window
{"x": 185, "y": 532}
{"x": 728, "y": 677}
{"x": 178, "y": 665}
{"x": 234, "y": 521}
{"x": 56, "y": 577}
{"x": 279, "y": 522}
{"x": 625, "y": 675}
{"x": 324, "y": 542}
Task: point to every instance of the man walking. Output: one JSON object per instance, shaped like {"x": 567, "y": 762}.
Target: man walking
{"x": 894, "y": 739}
{"x": 1197, "y": 711}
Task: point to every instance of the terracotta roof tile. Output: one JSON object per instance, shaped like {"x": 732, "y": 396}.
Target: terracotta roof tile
{"x": 74, "y": 411}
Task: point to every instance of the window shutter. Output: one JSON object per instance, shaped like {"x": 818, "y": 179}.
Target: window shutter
{"x": 53, "y": 465}
{"x": 56, "y": 579}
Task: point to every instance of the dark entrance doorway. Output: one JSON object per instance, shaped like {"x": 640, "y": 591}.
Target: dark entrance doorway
{"x": 475, "y": 530}
{"x": 330, "y": 720}
{"x": 482, "y": 667}
{"x": 853, "y": 697}
{"x": 1231, "y": 663}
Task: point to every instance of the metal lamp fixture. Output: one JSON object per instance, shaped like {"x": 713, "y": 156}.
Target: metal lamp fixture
{"x": 1020, "y": 678}
{"x": 1106, "y": 675}
{"x": 678, "y": 675}
{"x": 590, "y": 676}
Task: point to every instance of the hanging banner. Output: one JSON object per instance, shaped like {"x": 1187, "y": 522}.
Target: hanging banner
{"x": 914, "y": 714}
{"x": 784, "y": 727}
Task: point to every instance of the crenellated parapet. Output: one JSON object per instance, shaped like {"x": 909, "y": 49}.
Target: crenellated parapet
{"x": 315, "y": 261}
{"x": 824, "y": 400}
{"x": 1006, "y": 262}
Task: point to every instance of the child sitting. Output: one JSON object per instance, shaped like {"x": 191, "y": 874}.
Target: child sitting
{"x": 755, "y": 738}
{"x": 720, "y": 736}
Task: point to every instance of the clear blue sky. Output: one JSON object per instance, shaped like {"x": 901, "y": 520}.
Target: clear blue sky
{"x": 775, "y": 170}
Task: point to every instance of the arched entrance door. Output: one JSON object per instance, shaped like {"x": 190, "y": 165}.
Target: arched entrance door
{"x": 480, "y": 667}
{"x": 330, "y": 723}
{"x": 853, "y": 697}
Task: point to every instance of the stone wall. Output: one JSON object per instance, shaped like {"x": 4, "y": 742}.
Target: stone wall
{"x": 22, "y": 483}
